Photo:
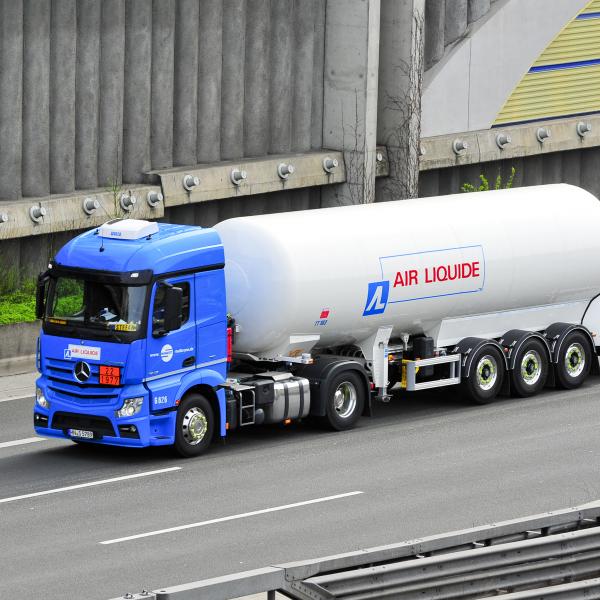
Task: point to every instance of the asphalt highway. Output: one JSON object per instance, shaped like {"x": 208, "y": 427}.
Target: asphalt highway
{"x": 94, "y": 523}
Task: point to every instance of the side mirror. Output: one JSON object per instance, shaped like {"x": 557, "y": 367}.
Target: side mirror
{"x": 40, "y": 295}
{"x": 173, "y": 308}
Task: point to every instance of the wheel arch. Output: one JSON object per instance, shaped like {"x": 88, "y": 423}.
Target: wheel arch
{"x": 468, "y": 348}
{"x": 512, "y": 342}
{"x": 321, "y": 372}
{"x": 558, "y": 332}
{"x": 212, "y": 396}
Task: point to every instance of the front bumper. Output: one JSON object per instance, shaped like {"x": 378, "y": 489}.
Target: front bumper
{"x": 139, "y": 431}
{"x": 151, "y": 431}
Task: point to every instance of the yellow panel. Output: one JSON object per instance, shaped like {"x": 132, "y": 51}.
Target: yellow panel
{"x": 561, "y": 92}
{"x": 593, "y": 6}
{"x": 548, "y": 94}
{"x": 579, "y": 41}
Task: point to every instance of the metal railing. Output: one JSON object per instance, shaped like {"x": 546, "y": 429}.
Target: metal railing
{"x": 554, "y": 555}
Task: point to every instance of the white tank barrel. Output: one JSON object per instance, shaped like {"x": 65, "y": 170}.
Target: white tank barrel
{"x": 449, "y": 267}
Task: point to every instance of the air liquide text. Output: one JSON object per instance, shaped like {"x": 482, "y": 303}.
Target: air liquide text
{"x": 437, "y": 274}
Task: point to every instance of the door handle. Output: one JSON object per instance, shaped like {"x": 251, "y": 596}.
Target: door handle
{"x": 189, "y": 361}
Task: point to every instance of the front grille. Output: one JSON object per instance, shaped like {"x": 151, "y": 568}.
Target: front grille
{"x": 65, "y": 420}
{"x": 60, "y": 373}
{"x": 94, "y": 396}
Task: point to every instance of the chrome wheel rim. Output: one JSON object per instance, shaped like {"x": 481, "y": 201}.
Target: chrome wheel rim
{"x": 531, "y": 367}
{"x": 344, "y": 399}
{"x": 487, "y": 372}
{"x": 574, "y": 360}
{"x": 194, "y": 426}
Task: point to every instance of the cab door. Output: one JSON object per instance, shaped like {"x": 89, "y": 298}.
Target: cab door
{"x": 211, "y": 318}
{"x": 170, "y": 355}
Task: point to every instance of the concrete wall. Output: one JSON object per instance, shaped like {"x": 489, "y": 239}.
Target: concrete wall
{"x": 577, "y": 167}
{"x": 446, "y": 21}
{"x": 92, "y": 92}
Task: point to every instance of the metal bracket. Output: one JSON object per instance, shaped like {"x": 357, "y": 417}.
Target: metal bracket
{"x": 412, "y": 367}
{"x": 375, "y": 350}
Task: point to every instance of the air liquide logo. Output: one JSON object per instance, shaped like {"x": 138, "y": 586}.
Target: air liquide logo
{"x": 166, "y": 353}
{"x": 87, "y": 352}
{"x": 426, "y": 275}
{"x": 377, "y": 298}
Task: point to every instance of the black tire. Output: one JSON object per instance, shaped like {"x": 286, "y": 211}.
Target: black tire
{"x": 194, "y": 426}
{"x": 570, "y": 372}
{"x": 485, "y": 378}
{"x": 530, "y": 372}
{"x": 345, "y": 400}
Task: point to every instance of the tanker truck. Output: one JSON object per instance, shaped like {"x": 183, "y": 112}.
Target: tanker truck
{"x": 162, "y": 334}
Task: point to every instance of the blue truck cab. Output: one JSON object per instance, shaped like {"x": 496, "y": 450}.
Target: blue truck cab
{"x": 133, "y": 321}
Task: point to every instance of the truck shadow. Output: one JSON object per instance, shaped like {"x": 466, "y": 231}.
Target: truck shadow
{"x": 85, "y": 462}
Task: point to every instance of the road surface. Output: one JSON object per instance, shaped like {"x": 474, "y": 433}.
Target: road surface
{"x": 94, "y": 523}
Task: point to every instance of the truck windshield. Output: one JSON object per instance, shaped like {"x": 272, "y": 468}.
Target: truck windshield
{"x": 92, "y": 304}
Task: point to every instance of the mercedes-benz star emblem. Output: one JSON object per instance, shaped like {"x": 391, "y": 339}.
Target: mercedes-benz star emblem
{"x": 82, "y": 371}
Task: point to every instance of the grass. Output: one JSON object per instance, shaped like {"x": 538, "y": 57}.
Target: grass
{"x": 18, "y": 306}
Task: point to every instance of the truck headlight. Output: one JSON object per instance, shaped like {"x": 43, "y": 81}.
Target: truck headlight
{"x": 131, "y": 407}
{"x": 40, "y": 399}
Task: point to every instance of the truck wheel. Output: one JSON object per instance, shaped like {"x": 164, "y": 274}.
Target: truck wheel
{"x": 574, "y": 361}
{"x": 531, "y": 369}
{"x": 345, "y": 401}
{"x": 194, "y": 426}
{"x": 485, "y": 379}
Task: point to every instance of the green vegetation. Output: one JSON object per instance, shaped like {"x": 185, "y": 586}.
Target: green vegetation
{"x": 484, "y": 186}
{"x": 17, "y": 306}
{"x": 68, "y": 306}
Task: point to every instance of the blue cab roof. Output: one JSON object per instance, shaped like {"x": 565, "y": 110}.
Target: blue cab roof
{"x": 173, "y": 248}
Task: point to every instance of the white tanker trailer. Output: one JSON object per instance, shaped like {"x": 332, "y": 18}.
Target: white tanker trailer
{"x": 273, "y": 318}
{"x": 495, "y": 290}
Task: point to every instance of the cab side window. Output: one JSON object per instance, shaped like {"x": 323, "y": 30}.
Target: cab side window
{"x": 158, "y": 312}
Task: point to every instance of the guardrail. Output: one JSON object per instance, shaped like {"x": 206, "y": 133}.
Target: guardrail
{"x": 554, "y": 555}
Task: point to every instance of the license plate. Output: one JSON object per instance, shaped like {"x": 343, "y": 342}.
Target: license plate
{"x": 80, "y": 433}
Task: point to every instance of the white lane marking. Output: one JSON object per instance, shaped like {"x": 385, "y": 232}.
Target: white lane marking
{"x": 30, "y": 440}
{"x": 230, "y": 518}
{"x": 27, "y": 397}
{"x": 90, "y": 484}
